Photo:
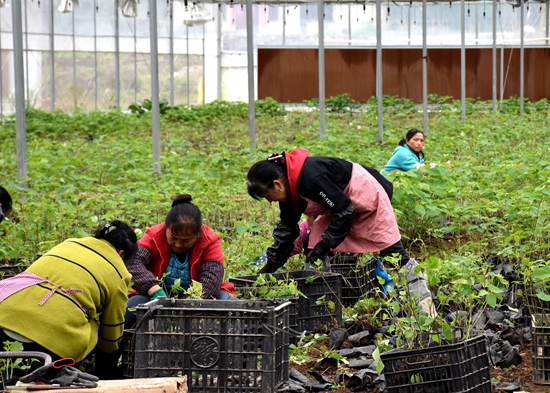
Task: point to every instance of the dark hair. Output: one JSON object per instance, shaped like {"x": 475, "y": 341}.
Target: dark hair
{"x": 410, "y": 134}
{"x": 262, "y": 175}
{"x": 184, "y": 215}
{"x": 5, "y": 200}
{"x": 121, "y": 236}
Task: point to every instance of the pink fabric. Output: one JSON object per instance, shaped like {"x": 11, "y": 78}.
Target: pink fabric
{"x": 12, "y": 285}
{"x": 374, "y": 227}
{"x": 299, "y": 244}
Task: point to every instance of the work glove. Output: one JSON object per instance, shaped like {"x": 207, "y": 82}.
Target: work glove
{"x": 269, "y": 267}
{"x": 320, "y": 251}
{"x": 158, "y": 293}
{"x": 380, "y": 271}
{"x": 71, "y": 376}
{"x": 64, "y": 376}
{"x": 262, "y": 259}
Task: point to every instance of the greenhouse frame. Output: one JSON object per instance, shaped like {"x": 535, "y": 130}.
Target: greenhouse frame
{"x": 104, "y": 54}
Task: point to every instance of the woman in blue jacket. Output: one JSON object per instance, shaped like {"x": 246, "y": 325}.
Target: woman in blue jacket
{"x": 408, "y": 155}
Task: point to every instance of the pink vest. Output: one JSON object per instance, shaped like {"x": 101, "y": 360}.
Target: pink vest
{"x": 374, "y": 227}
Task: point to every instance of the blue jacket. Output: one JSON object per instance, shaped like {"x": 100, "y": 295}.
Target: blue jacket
{"x": 403, "y": 159}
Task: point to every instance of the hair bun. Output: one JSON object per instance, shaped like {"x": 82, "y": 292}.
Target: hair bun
{"x": 182, "y": 198}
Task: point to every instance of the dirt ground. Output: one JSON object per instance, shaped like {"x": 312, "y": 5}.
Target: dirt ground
{"x": 522, "y": 372}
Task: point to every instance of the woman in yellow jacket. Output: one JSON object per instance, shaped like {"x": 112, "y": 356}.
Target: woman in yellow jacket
{"x": 72, "y": 300}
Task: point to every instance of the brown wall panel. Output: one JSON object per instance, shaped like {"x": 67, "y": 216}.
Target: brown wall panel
{"x": 291, "y": 75}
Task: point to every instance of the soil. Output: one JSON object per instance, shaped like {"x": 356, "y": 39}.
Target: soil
{"x": 523, "y": 372}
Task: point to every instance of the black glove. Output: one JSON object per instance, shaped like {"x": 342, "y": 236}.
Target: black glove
{"x": 71, "y": 376}
{"x": 65, "y": 376}
{"x": 320, "y": 251}
{"x": 269, "y": 267}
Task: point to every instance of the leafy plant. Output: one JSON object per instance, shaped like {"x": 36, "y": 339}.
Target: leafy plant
{"x": 9, "y": 365}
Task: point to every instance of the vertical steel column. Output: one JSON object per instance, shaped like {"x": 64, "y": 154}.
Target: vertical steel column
{"x": 20, "y": 119}
{"x": 74, "y": 64}
{"x": 219, "y": 42}
{"x": 379, "y": 84}
{"x": 203, "y": 63}
{"x": 425, "y": 65}
{"x": 95, "y": 53}
{"x": 1, "y": 85}
{"x": 117, "y": 57}
{"x": 321, "y": 50}
{"x": 52, "y": 58}
{"x": 172, "y": 87}
{"x": 153, "y": 36}
{"x": 349, "y": 24}
{"x": 409, "y": 24}
{"x": 135, "y": 60}
{"x": 251, "y": 89}
{"x": 494, "y": 55}
{"x": 522, "y": 59}
{"x": 463, "y": 59}
{"x": 187, "y": 60}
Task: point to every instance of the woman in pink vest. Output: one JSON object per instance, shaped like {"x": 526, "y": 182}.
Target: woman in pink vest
{"x": 352, "y": 205}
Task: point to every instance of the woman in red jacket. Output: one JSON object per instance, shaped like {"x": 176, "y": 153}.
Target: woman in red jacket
{"x": 181, "y": 249}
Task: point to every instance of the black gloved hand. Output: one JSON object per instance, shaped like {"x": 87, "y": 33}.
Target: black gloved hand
{"x": 71, "y": 376}
{"x": 320, "y": 251}
{"x": 269, "y": 267}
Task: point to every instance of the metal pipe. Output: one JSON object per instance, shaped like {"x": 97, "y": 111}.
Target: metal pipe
{"x": 26, "y": 49}
{"x": 321, "y": 50}
{"x": 494, "y": 55}
{"x": 52, "y": 58}
{"x": 463, "y": 59}
{"x": 521, "y": 59}
{"x": 95, "y": 54}
{"x": 187, "y": 62}
{"x": 20, "y": 116}
{"x": 425, "y": 65}
{"x": 171, "y": 11}
{"x": 135, "y": 60}
{"x": 153, "y": 35}
{"x": 74, "y": 66}
{"x": 251, "y": 89}
{"x": 379, "y": 84}
{"x": 219, "y": 41}
{"x": 117, "y": 57}
{"x": 502, "y": 72}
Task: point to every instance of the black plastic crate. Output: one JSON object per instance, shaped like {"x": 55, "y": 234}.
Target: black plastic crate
{"x": 221, "y": 345}
{"x": 540, "y": 346}
{"x": 127, "y": 344}
{"x": 322, "y": 305}
{"x": 358, "y": 279}
{"x": 452, "y": 368}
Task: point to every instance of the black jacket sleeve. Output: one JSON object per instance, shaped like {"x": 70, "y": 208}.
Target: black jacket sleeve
{"x": 339, "y": 227}
{"x": 284, "y": 235}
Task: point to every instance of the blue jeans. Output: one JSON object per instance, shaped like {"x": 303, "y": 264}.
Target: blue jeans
{"x": 130, "y": 316}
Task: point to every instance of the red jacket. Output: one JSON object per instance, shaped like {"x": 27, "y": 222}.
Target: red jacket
{"x": 207, "y": 248}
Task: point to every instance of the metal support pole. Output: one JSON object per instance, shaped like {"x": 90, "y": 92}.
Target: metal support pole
{"x": 522, "y": 59}
{"x": 74, "y": 66}
{"x": 463, "y": 59}
{"x": 187, "y": 62}
{"x": 117, "y": 57}
{"x": 219, "y": 42}
{"x": 349, "y": 24}
{"x": 425, "y": 65}
{"x": 547, "y": 21}
{"x": 321, "y": 46}
{"x": 20, "y": 119}
{"x": 52, "y": 58}
{"x": 409, "y": 24}
{"x": 379, "y": 84}
{"x": 250, "y": 65}
{"x": 494, "y": 55}
{"x": 135, "y": 61}
{"x": 95, "y": 54}
{"x": 153, "y": 35}
{"x": 502, "y": 72}
{"x": 203, "y": 62}
{"x": 171, "y": 11}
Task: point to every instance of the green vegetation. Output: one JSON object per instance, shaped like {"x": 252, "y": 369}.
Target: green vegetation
{"x": 90, "y": 167}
